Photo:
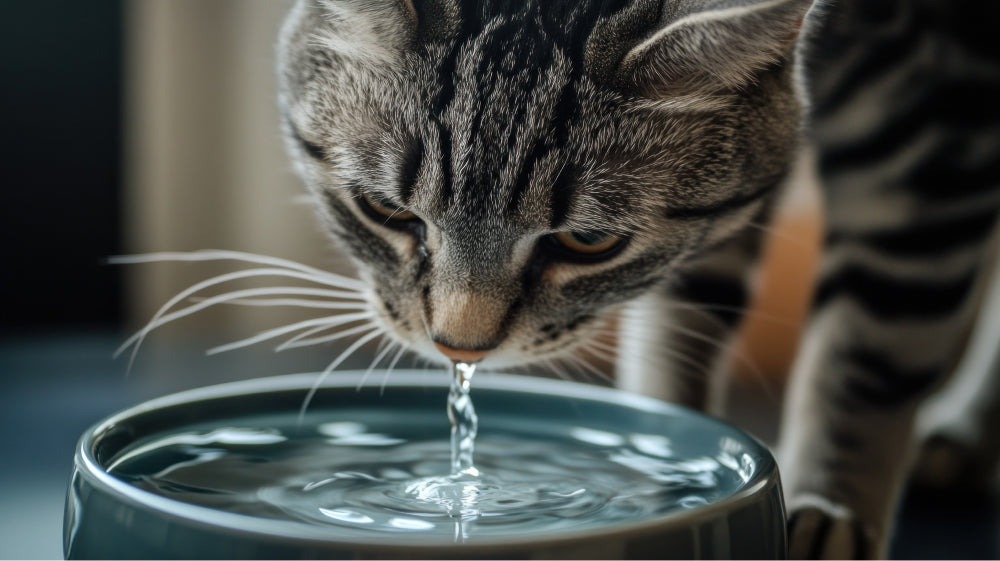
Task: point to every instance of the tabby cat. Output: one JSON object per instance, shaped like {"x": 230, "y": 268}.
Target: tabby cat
{"x": 511, "y": 175}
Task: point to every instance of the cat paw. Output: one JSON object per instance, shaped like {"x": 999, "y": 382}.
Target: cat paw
{"x": 947, "y": 463}
{"x": 819, "y": 529}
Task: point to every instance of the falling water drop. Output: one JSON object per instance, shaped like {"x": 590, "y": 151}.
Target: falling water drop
{"x": 464, "y": 423}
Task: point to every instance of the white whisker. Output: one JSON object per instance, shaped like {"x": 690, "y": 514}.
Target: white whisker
{"x": 383, "y": 343}
{"x": 336, "y": 362}
{"x": 704, "y": 313}
{"x": 326, "y": 293}
{"x": 156, "y": 321}
{"x": 325, "y": 322}
{"x": 600, "y": 354}
{"x": 223, "y": 255}
{"x": 590, "y": 370}
{"x": 329, "y": 338}
{"x": 225, "y": 298}
{"x": 554, "y": 367}
{"x": 297, "y": 303}
{"x": 342, "y": 319}
{"x": 392, "y": 364}
{"x": 697, "y": 367}
{"x": 298, "y": 342}
{"x": 721, "y": 346}
{"x": 378, "y": 358}
{"x": 613, "y": 350}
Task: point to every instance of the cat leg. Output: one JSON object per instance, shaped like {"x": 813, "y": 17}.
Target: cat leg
{"x": 960, "y": 448}
{"x": 887, "y": 330}
{"x": 673, "y": 341}
{"x": 957, "y": 429}
{"x": 910, "y": 183}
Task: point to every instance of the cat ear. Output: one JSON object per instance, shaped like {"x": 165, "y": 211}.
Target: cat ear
{"x": 385, "y": 26}
{"x": 720, "y": 48}
{"x": 437, "y": 20}
{"x": 375, "y": 30}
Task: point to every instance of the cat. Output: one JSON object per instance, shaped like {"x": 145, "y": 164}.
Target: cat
{"x": 510, "y": 176}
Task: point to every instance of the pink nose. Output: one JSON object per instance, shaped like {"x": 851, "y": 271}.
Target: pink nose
{"x": 461, "y": 355}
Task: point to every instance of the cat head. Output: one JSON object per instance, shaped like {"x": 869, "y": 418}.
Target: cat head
{"x": 506, "y": 174}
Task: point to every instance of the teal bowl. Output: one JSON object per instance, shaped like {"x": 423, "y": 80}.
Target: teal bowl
{"x": 107, "y": 517}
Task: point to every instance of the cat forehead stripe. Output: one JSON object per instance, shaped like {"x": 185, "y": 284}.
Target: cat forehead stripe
{"x": 530, "y": 56}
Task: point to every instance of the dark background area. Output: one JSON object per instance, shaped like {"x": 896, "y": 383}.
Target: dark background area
{"x": 61, "y": 63}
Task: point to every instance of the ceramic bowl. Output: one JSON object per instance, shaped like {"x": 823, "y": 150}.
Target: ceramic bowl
{"x": 108, "y": 518}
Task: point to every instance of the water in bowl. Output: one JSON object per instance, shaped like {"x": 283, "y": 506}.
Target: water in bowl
{"x": 397, "y": 473}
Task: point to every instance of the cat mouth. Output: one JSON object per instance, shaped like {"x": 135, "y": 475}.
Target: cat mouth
{"x": 584, "y": 352}
{"x": 579, "y": 348}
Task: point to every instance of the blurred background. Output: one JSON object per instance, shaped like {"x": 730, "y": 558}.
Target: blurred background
{"x": 134, "y": 126}
{"x": 129, "y": 126}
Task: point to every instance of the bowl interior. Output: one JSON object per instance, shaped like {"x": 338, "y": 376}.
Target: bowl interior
{"x": 416, "y": 400}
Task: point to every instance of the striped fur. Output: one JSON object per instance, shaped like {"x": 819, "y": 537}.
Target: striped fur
{"x": 906, "y": 122}
{"x": 500, "y": 124}
{"x": 499, "y": 128}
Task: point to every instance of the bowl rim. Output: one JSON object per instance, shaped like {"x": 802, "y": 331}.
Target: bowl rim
{"x": 288, "y": 532}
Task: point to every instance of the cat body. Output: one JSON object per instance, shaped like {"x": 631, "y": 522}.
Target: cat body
{"x": 511, "y": 177}
{"x": 908, "y": 135}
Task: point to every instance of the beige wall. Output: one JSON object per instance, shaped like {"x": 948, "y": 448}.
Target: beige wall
{"x": 206, "y": 167}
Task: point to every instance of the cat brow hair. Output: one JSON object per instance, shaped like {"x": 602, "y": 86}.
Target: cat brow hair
{"x": 722, "y": 207}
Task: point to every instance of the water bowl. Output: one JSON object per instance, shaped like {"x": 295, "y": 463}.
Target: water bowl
{"x": 566, "y": 471}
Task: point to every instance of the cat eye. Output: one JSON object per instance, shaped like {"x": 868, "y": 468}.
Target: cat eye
{"x": 385, "y": 209}
{"x": 590, "y": 244}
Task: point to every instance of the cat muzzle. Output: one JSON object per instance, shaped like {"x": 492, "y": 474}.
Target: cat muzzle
{"x": 461, "y": 355}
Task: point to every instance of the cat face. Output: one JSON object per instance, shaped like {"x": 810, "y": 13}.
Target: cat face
{"x": 506, "y": 176}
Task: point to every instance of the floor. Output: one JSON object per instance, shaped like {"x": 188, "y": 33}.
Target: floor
{"x": 52, "y": 388}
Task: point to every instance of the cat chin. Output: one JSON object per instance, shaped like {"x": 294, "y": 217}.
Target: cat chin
{"x": 503, "y": 359}
{"x": 514, "y": 359}
{"x": 516, "y": 352}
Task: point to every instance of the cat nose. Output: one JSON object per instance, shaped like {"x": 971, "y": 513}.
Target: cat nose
{"x": 461, "y": 355}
